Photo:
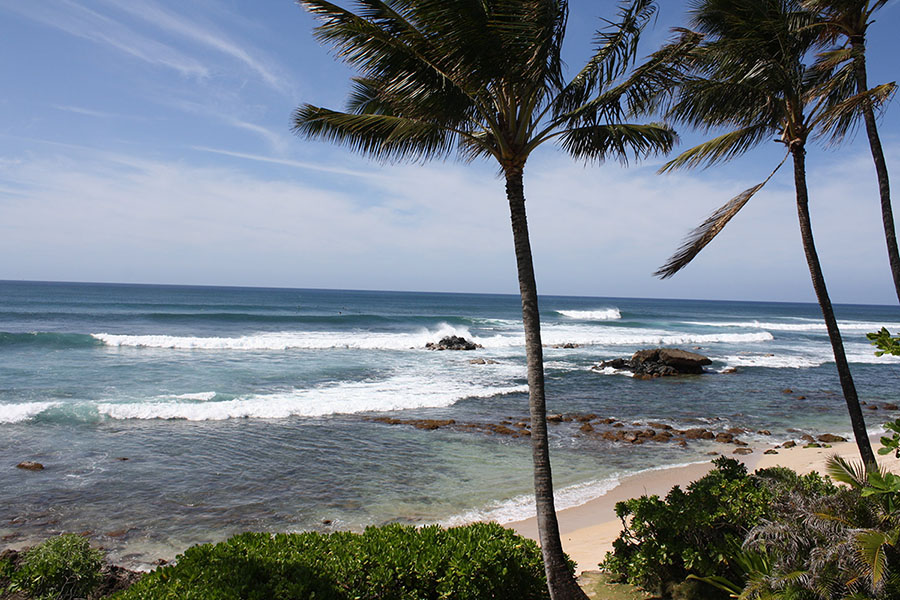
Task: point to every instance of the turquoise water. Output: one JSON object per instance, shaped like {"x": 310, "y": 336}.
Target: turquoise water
{"x": 241, "y": 408}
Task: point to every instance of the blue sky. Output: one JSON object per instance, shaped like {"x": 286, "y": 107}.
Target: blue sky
{"x": 150, "y": 142}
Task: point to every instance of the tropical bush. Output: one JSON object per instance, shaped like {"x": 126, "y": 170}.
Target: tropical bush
{"x": 884, "y": 342}
{"x": 699, "y": 531}
{"x": 62, "y": 568}
{"x": 843, "y": 545}
{"x": 395, "y": 562}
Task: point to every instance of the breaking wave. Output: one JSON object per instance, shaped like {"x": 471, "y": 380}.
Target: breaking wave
{"x": 602, "y": 314}
{"x": 366, "y": 340}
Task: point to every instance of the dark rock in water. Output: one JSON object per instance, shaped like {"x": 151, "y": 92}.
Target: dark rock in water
{"x": 764, "y": 432}
{"x": 789, "y": 444}
{"x": 482, "y": 361}
{"x": 427, "y": 424}
{"x": 890, "y": 406}
{"x": 567, "y": 345}
{"x": 30, "y": 465}
{"x": 453, "y": 342}
{"x": 830, "y": 438}
{"x": 659, "y": 362}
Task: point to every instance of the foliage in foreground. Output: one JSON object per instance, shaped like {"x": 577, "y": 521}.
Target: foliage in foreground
{"x": 842, "y": 545}
{"x": 61, "y": 568}
{"x": 395, "y": 562}
{"x": 698, "y": 530}
{"x": 884, "y": 342}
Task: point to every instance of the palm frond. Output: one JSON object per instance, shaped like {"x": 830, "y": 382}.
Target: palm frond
{"x": 853, "y": 474}
{"x": 709, "y": 229}
{"x": 383, "y": 137}
{"x": 617, "y": 140}
{"x": 616, "y": 46}
{"x": 708, "y": 102}
{"x": 720, "y": 149}
{"x": 841, "y": 119}
{"x": 643, "y": 90}
{"x": 388, "y": 48}
{"x": 871, "y": 544}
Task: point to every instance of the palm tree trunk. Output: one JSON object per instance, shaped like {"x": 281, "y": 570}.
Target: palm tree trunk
{"x": 818, "y": 280}
{"x": 858, "y": 46}
{"x": 559, "y": 580}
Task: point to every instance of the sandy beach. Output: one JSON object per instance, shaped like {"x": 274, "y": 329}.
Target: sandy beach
{"x": 588, "y": 530}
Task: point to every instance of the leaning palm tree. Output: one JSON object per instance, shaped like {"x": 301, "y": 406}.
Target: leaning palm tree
{"x": 850, "y": 20}
{"x": 750, "y": 74}
{"x": 485, "y": 78}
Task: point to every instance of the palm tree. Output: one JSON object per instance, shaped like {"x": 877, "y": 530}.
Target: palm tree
{"x": 749, "y": 74}
{"x": 485, "y": 78}
{"x": 850, "y": 19}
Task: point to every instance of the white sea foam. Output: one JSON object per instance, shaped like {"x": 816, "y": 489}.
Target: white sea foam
{"x": 808, "y": 325}
{"x": 286, "y": 340}
{"x": 200, "y": 396}
{"x": 16, "y": 413}
{"x": 611, "y": 371}
{"x": 856, "y": 353}
{"x": 774, "y": 361}
{"x": 522, "y": 507}
{"x": 364, "y": 340}
{"x": 600, "y": 314}
{"x": 395, "y": 393}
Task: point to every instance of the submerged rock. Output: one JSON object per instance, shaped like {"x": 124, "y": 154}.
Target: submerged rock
{"x": 659, "y": 362}
{"x": 30, "y": 465}
{"x": 453, "y": 342}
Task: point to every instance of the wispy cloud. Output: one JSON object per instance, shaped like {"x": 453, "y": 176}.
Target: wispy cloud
{"x": 207, "y": 36}
{"x": 80, "y": 21}
{"x": 293, "y": 163}
{"x": 274, "y": 138}
{"x": 90, "y": 112}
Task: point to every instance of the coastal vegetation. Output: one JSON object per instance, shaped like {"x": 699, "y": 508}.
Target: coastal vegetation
{"x": 751, "y": 74}
{"x": 395, "y": 562}
{"x": 770, "y": 534}
{"x": 885, "y": 343}
{"x": 696, "y": 530}
{"x": 62, "y": 568}
{"x": 486, "y": 79}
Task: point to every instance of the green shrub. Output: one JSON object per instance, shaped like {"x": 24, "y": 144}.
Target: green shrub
{"x": 695, "y": 531}
{"x": 395, "y": 562}
{"x": 61, "y": 568}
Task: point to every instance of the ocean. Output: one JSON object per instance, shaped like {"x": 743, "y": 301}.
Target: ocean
{"x": 167, "y": 416}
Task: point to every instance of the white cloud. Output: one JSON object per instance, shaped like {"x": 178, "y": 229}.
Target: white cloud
{"x": 595, "y": 231}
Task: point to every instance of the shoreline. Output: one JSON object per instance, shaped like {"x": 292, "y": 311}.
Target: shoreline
{"x": 588, "y": 530}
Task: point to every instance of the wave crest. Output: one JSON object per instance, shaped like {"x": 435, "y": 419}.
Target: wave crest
{"x": 600, "y": 314}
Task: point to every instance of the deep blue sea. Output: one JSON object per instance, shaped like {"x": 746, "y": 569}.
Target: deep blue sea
{"x": 167, "y": 416}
